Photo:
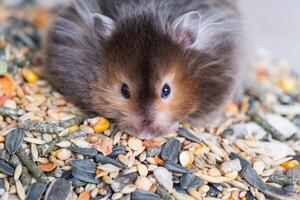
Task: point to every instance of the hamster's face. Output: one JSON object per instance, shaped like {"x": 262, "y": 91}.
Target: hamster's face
{"x": 146, "y": 89}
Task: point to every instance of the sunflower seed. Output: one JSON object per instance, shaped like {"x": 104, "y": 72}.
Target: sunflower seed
{"x": 153, "y": 151}
{"x": 123, "y": 180}
{"x": 190, "y": 181}
{"x": 84, "y": 151}
{"x": 59, "y": 189}
{"x": 118, "y": 150}
{"x": 77, "y": 183}
{"x": 213, "y": 192}
{"x": 176, "y": 168}
{"x": 243, "y": 162}
{"x": 171, "y": 150}
{"x": 36, "y": 191}
{"x": 188, "y": 135}
{"x": 14, "y": 140}
{"x": 164, "y": 195}
{"x": 84, "y": 176}
{"x": 295, "y": 172}
{"x": 2, "y": 183}
{"x": 283, "y": 179}
{"x": 253, "y": 178}
{"x": 289, "y": 188}
{"x": 6, "y": 168}
{"x": 20, "y": 190}
{"x": 142, "y": 195}
{"x": 107, "y": 160}
{"x": 84, "y": 165}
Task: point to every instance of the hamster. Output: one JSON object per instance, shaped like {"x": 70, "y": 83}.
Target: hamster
{"x": 149, "y": 65}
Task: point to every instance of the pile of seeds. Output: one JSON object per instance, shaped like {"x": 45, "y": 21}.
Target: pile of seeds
{"x": 49, "y": 150}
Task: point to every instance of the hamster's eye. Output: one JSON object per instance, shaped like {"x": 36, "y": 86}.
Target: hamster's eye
{"x": 125, "y": 91}
{"x": 165, "y": 91}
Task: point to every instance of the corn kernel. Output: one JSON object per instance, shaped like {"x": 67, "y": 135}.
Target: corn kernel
{"x": 73, "y": 128}
{"x": 199, "y": 150}
{"x": 101, "y": 125}
{"x": 29, "y": 75}
{"x": 288, "y": 85}
{"x": 290, "y": 164}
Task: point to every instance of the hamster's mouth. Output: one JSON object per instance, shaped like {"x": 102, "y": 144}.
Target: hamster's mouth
{"x": 148, "y": 133}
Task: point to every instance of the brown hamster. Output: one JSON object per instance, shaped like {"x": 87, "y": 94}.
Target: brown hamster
{"x": 147, "y": 64}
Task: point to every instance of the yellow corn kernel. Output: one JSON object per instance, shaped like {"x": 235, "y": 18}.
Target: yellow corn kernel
{"x": 290, "y": 164}
{"x": 101, "y": 125}
{"x": 73, "y": 128}
{"x": 288, "y": 85}
{"x": 29, "y": 75}
{"x": 199, "y": 150}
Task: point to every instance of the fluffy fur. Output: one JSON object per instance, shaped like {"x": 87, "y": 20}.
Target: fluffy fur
{"x": 96, "y": 46}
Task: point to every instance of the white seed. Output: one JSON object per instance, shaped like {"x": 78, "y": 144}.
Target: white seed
{"x": 34, "y": 152}
{"x": 143, "y": 183}
{"x": 135, "y": 143}
{"x": 203, "y": 189}
{"x": 86, "y": 129}
{"x": 18, "y": 172}
{"x": 116, "y": 196}
{"x": 5, "y": 196}
{"x": 182, "y": 196}
{"x": 186, "y": 158}
{"x": 127, "y": 189}
{"x": 108, "y": 168}
{"x": 164, "y": 178}
{"x": 64, "y": 154}
{"x": 10, "y": 104}
{"x": 229, "y": 166}
{"x": 20, "y": 190}
{"x": 259, "y": 166}
{"x": 214, "y": 172}
{"x": 232, "y": 175}
{"x": 81, "y": 142}
{"x": 142, "y": 169}
{"x": 34, "y": 140}
{"x": 64, "y": 144}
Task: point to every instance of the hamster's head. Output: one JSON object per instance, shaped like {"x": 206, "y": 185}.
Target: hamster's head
{"x": 151, "y": 81}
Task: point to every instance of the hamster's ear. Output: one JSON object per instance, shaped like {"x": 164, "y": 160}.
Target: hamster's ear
{"x": 186, "y": 28}
{"x": 103, "y": 25}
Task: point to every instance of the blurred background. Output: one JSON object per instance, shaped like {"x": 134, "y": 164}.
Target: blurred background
{"x": 272, "y": 26}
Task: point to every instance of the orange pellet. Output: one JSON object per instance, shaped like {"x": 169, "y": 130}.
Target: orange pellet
{"x": 84, "y": 196}
{"x": 231, "y": 109}
{"x": 290, "y": 164}
{"x": 101, "y": 125}
{"x": 7, "y": 87}
{"x": 151, "y": 143}
{"x": 47, "y": 167}
{"x": 158, "y": 160}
